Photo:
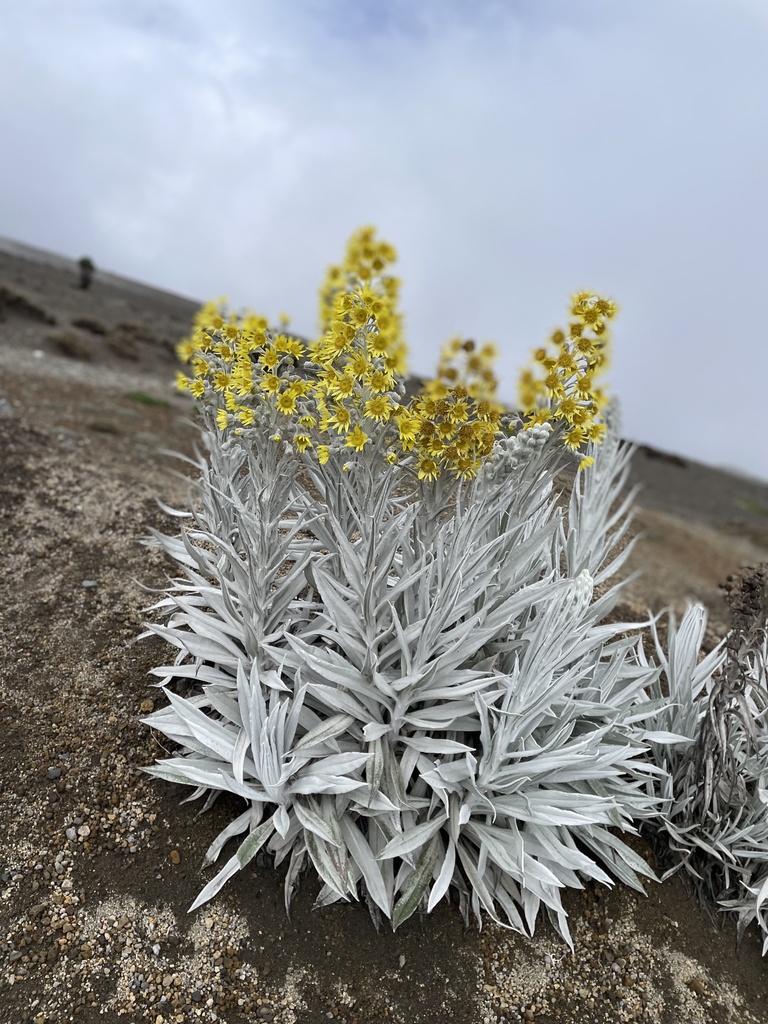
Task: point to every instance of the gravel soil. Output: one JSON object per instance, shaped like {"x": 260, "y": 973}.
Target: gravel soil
{"x": 99, "y": 862}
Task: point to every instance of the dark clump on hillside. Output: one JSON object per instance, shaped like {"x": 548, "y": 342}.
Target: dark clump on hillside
{"x": 15, "y": 303}
{"x": 70, "y": 344}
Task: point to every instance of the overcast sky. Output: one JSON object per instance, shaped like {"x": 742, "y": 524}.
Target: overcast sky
{"x": 512, "y": 150}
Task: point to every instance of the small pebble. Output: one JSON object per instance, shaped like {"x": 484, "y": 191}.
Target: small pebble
{"x": 53, "y": 773}
{"x": 88, "y": 584}
{"x": 697, "y": 985}
{"x": 175, "y": 857}
{"x": 71, "y": 834}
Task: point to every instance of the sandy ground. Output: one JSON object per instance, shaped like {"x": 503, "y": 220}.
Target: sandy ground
{"x": 98, "y": 862}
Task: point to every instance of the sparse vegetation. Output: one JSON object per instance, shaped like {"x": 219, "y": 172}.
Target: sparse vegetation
{"x": 71, "y": 344}
{"x": 103, "y": 427}
{"x": 145, "y": 399}
{"x": 751, "y": 506}
{"x": 138, "y": 331}
{"x": 123, "y": 346}
{"x": 126, "y": 339}
{"x": 90, "y": 324}
{"x": 15, "y": 303}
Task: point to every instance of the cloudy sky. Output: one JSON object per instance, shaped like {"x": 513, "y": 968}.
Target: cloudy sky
{"x": 512, "y": 150}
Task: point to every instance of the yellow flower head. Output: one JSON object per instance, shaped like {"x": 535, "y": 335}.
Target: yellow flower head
{"x": 295, "y": 348}
{"x": 341, "y": 419}
{"x": 286, "y": 403}
{"x": 378, "y": 408}
{"x": 408, "y": 426}
{"x": 357, "y": 439}
{"x": 270, "y": 359}
{"x": 358, "y": 365}
{"x": 379, "y": 381}
{"x": 428, "y": 469}
{"x": 573, "y": 437}
{"x": 342, "y": 386}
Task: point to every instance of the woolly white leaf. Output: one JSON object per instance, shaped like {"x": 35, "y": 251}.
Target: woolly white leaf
{"x": 444, "y": 878}
{"x": 416, "y": 886}
{"x": 371, "y": 870}
{"x": 413, "y": 838}
{"x": 329, "y": 870}
{"x": 324, "y": 731}
{"x": 311, "y": 820}
{"x": 375, "y": 730}
{"x": 234, "y": 828}
{"x": 246, "y": 852}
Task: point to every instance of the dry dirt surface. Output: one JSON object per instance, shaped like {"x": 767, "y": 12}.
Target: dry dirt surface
{"x": 99, "y": 863}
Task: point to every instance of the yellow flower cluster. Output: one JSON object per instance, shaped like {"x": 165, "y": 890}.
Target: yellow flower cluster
{"x": 465, "y": 364}
{"x": 562, "y": 386}
{"x": 212, "y": 317}
{"x": 364, "y": 265}
{"x": 454, "y": 432}
{"x": 345, "y": 391}
{"x": 239, "y": 365}
{"x": 356, "y": 390}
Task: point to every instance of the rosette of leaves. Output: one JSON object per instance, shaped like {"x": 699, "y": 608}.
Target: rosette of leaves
{"x": 410, "y": 689}
{"x": 714, "y": 781}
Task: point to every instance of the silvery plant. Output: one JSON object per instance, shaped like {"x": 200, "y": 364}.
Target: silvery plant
{"x": 397, "y": 642}
{"x": 412, "y": 689}
{"x": 713, "y": 824}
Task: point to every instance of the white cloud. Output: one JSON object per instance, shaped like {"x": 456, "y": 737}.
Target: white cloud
{"x": 512, "y": 155}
